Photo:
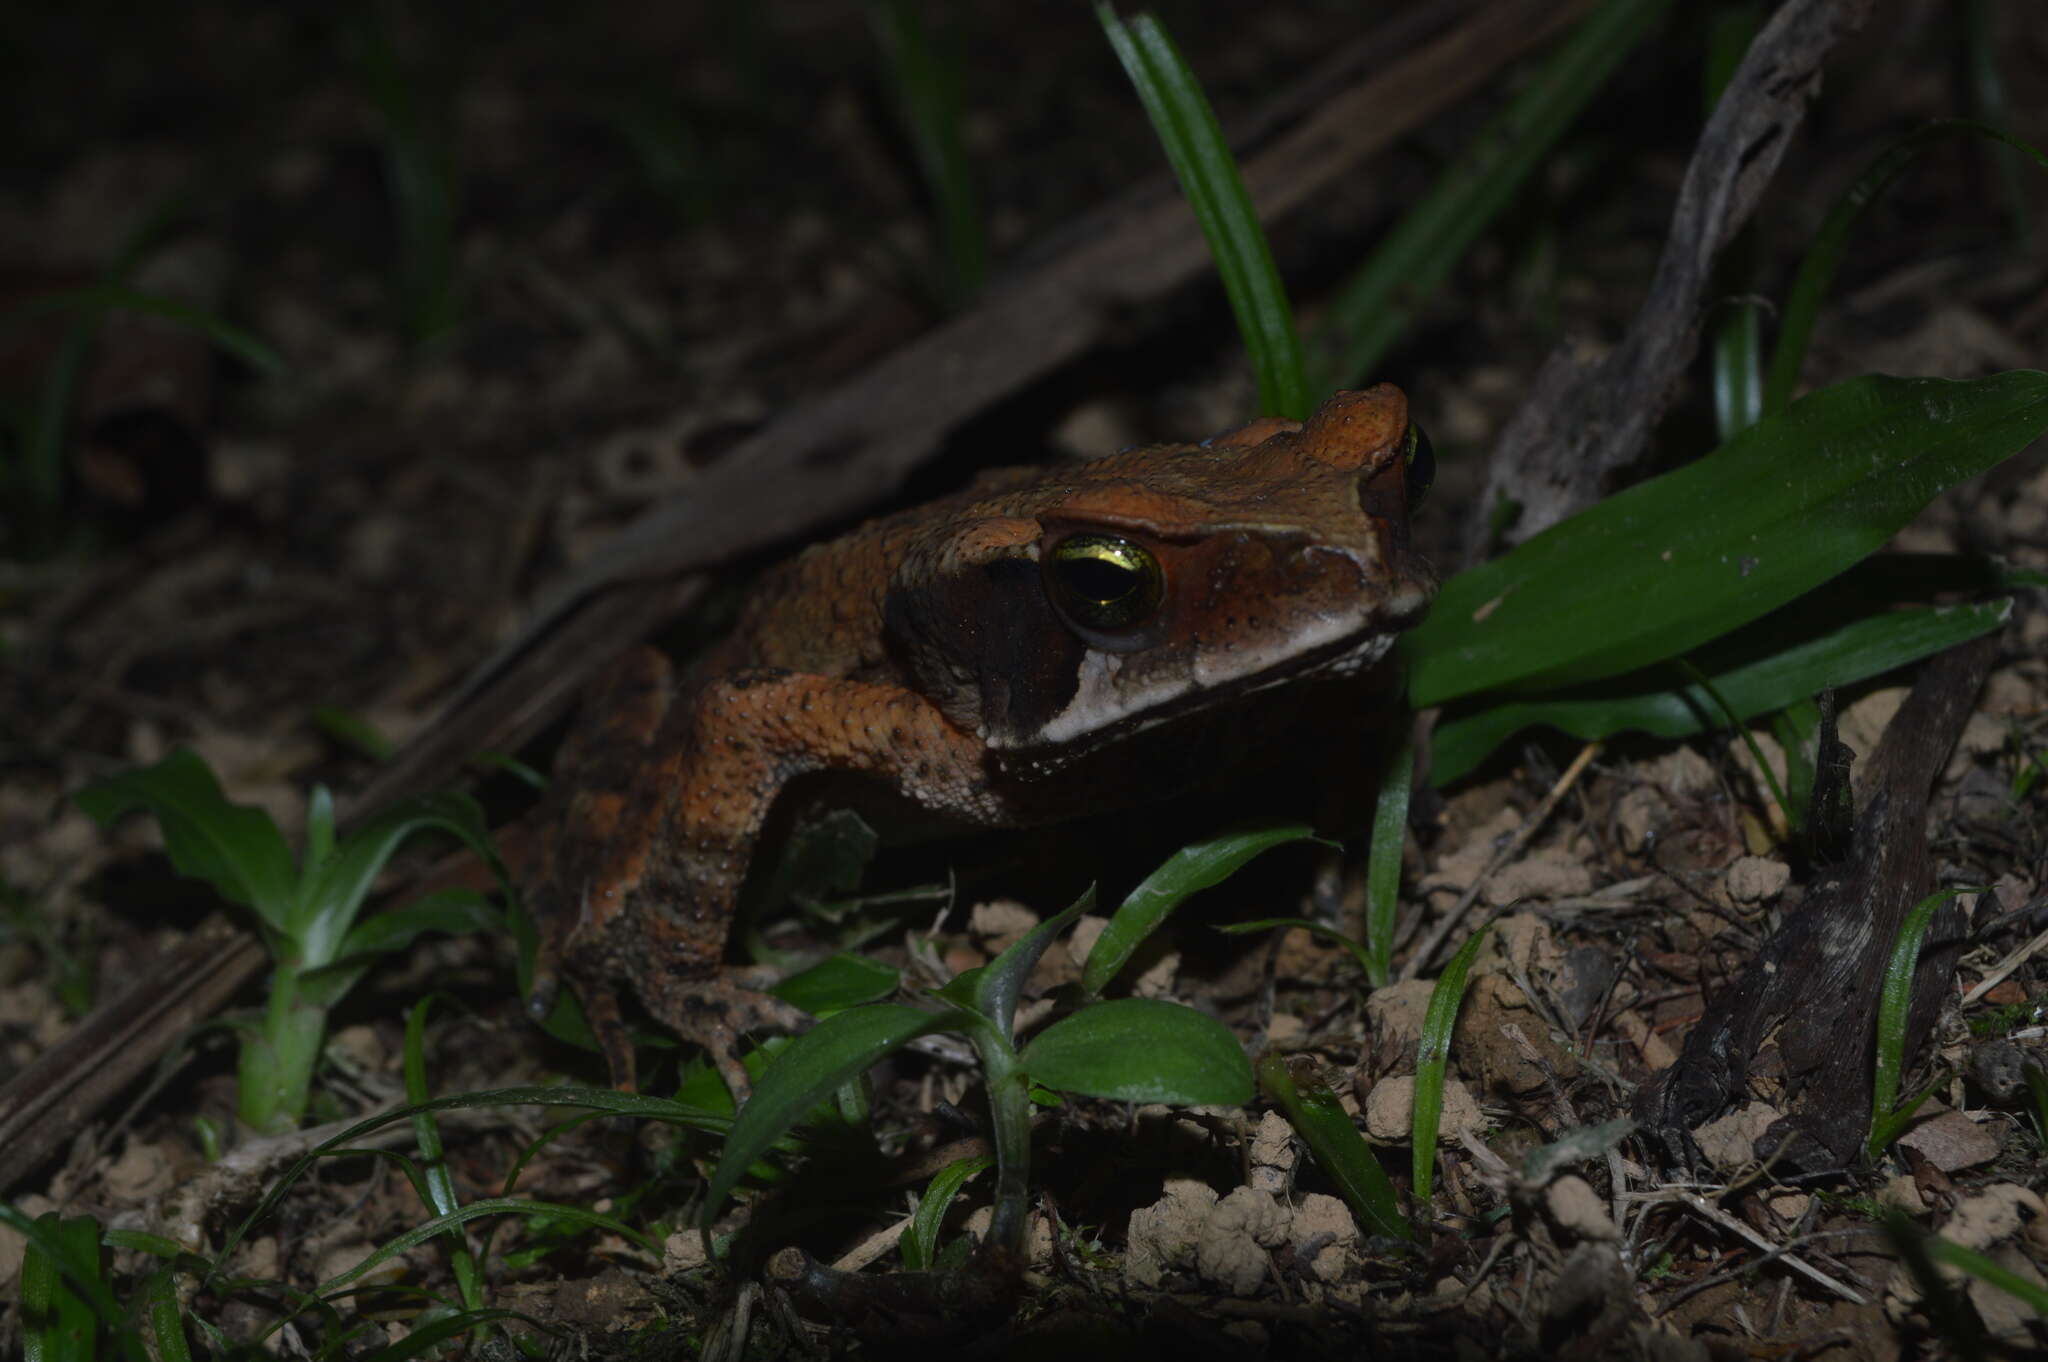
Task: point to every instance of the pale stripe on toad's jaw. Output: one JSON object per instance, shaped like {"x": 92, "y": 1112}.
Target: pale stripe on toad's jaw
{"x": 1099, "y": 703}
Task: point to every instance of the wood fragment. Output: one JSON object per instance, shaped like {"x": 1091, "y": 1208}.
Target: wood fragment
{"x": 1584, "y": 421}
{"x": 1811, "y": 992}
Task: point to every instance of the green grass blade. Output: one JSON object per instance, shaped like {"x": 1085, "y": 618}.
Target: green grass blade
{"x": 811, "y": 1069}
{"x": 921, "y": 1239}
{"x": 432, "y": 1335}
{"x": 1321, "y": 929}
{"x": 995, "y": 987}
{"x": 1738, "y": 368}
{"x": 420, "y": 182}
{"x": 1659, "y": 569}
{"x": 43, "y": 457}
{"x": 100, "y": 298}
{"x": 1824, "y": 256}
{"x": 1645, "y": 702}
{"x": 1989, "y": 103}
{"x": 1194, "y": 867}
{"x": 337, "y": 887}
{"x": 1893, "y": 1004}
{"x": 1338, "y": 1149}
{"x": 166, "y": 1319}
{"x": 1943, "y": 1250}
{"x": 1954, "y": 1322}
{"x": 1705, "y": 683}
{"x": 439, "y": 1183}
{"x": 1380, "y": 301}
{"x": 1796, "y": 727}
{"x": 1432, "y": 1058}
{"x": 1383, "y": 869}
{"x": 1142, "y": 1050}
{"x": 610, "y": 1100}
{"x": 477, "y": 1210}
{"x": 927, "y": 90}
{"x": 2037, "y": 1096}
{"x": 1201, "y": 160}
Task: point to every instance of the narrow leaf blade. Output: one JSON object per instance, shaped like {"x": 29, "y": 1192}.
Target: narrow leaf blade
{"x": 1432, "y": 1057}
{"x": 1338, "y": 1149}
{"x": 1649, "y": 702}
{"x": 1663, "y": 567}
{"x": 1195, "y": 867}
{"x": 808, "y": 1071}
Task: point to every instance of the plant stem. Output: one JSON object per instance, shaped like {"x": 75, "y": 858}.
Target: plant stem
{"x": 277, "y": 1063}
{"x": 1009, "y": 1105}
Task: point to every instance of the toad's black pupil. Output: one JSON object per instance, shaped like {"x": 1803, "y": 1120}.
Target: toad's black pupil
{"x": 1098, "y": 579}
{"x": 1421, "y": 466}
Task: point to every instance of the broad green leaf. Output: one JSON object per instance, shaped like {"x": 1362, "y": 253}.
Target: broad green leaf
{"x": 334, "y": 890}
{"x": 1651, "y": 701}
{"x": 1659, "y": 569}
{"x": 1202, "y": 162}
{"x": 1142, "y": 1050}
{"x": 236, "y": 848}
{"x": 1337, "y": 1147}
{"x": 837, "y": 983}
{"x": 1432, "y": 1053}
{"x": 811, "y": 1069}
{"x": 451, "y": 911}
{"x": 921, "y": 1239}
{"x": 999, "y": 983}
{"x": 1195, "y": 867}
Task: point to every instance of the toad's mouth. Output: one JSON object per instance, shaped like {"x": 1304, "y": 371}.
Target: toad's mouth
{"x": 1103, "y": 711}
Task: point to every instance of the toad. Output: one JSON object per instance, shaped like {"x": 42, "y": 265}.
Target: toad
{"x": 1044, "y": 644}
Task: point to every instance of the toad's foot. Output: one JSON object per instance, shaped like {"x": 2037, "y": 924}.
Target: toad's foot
{"x": 715, "y": 1012}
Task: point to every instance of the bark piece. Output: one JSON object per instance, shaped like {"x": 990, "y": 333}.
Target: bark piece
{"x": 1811, "y": 993}
{"x": 1584, "y": 421}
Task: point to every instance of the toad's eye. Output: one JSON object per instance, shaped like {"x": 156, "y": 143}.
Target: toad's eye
{"x": 1101, "y": 581}
{"x": 1421, "y": 460}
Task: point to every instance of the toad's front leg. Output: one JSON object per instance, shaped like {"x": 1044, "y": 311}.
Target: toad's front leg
{"x": 657, "y": 902}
